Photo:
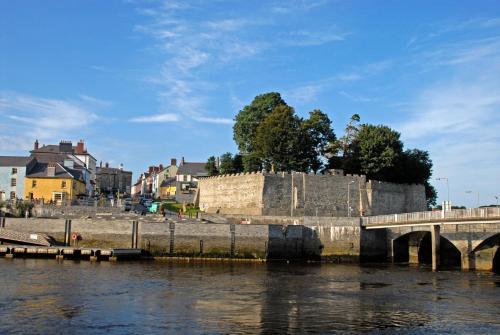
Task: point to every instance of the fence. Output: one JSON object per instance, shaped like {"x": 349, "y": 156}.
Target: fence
{"x": 432, "y": 216}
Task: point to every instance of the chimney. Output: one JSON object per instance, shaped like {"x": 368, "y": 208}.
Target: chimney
{"x": 173, "y": 161}
{"x": 121, "y": 166}
{"x": 107, "y": 165}
{"x": 35, "y": 146}
{"x": 151, "y": 169}
{"x": 51, "y": 169}
{"x": 182, "y": 161}
{"x": 161, "y": 168}
{"x": 80, "y": 147}
{"x": 100, "y": 164}
{"x": 65, "y": 146}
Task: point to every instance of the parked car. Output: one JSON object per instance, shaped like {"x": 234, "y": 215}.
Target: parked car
{"x": 127, "y": 204}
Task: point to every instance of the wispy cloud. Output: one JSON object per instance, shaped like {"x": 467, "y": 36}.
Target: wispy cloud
{"x": 456, "y": 117}
{"x": 158, "y": 118}
{"x": 303, "y": 94}
{"x": 355, "y": 98}
{"x": 294, "y": 6}
{"x": 28, "y": 116}
{"x": 313, "y": 38}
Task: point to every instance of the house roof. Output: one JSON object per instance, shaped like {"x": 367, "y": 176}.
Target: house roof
{"x": 168, "y": 182}
{"x": 194, "y": 169}
{"x": 13, "y": 161}
{"x": 109, "y": 170}
{"x": 55, "y": 149}
{"x": 40, "y": 170}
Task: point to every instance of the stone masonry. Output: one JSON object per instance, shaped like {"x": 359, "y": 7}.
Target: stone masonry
{"x": 302, "y": 194}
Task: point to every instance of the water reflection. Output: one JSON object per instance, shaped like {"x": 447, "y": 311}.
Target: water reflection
{"x": 45, "y": 296}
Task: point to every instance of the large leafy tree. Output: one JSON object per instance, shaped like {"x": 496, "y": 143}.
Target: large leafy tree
{"x": 377, "y": 152}
{"x": 226, "y": 164}
{"x": 377, "y": 148}
{"x": 251, "y": 162}
{"x": 250, "y": 117}
{"x": 318, "y": 134}
{"x": 278, "y": 140}
{"x": 211, "y": 166}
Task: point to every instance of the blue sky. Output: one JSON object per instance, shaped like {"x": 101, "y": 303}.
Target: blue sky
{"x": 144, "y": 81}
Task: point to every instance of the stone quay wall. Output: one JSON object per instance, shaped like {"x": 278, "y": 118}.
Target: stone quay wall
{"x": 302, "y": 194}
{"x": 184, "y": 239}
{"x": 341, "y": 238}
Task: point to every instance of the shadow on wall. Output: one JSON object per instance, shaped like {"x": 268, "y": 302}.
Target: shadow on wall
{"x": 293, "y": 243}
{"x": 416, "y": 248}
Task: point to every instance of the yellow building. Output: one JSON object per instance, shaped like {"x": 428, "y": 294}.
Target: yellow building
{"x": 53, "y": 182}
{"x": 167, "y": 188}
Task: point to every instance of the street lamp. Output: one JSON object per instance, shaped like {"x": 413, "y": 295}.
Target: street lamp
{"x": 447, "y": 188}
{"x": 349, "y": 197}
{"x": 470, "y": 192}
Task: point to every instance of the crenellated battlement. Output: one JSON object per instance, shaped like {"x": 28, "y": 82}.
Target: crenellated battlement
{"x": 298, "y": 193}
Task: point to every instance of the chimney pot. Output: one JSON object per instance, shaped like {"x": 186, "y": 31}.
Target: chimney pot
{"x": 35, "y": 146}
{"x": 182, "y": 161}
{"x": 173, "y": 161}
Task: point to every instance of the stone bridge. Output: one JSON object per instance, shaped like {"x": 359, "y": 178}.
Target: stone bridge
{"x": 469, "y": 238}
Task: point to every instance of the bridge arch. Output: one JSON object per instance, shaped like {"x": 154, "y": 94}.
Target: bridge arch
{"x": 487, "y": 254}
{"x": 415, "y": 248}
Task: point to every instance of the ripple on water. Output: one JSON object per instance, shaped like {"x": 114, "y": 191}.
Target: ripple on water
{"x": 154, "y": 298}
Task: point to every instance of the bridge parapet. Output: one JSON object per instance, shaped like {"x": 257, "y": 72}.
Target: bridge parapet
{"x": 430, "y": 217}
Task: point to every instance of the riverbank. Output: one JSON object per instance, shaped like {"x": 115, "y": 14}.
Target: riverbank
{"x": 333, "y": 239}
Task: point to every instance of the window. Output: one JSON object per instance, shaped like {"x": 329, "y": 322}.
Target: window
{"x": 13, "y": 182}
{"x": 12, "y": 195}
{"x": 33, "y": 183}
{"x": 14, "y": 170}
{"x": 63, "y": 184}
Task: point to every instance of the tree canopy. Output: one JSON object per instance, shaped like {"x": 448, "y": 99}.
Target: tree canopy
{"x": 249, "y": 118}
{"x": 269, "y": 134}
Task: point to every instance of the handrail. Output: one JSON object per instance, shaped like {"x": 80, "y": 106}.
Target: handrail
{"x": 415, "y": 217}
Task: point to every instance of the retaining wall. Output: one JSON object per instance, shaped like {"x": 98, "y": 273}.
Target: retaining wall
{"x": 185, "y": 239}
{"x": 302, "y": 194}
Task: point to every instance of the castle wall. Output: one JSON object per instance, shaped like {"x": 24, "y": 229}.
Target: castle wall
{"x": 232, "y": 194}
{"x": 302, "y": 194}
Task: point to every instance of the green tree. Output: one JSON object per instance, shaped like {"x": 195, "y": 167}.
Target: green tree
{"x": 249, "y": 118}
{"x": 251, "y": 162}
{"x": 226, "y": 164}
{"x": 377, "y": 150}
{"x": 211, "y": 166}
{"x": 318, "y": 134}
{"x": 278, "y": 140}
{"x": 238, "y": 163}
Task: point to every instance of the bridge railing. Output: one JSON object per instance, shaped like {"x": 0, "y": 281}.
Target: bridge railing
{"x": 429, "y": 216}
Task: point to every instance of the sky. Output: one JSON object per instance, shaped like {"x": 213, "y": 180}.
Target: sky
{"x": 145, "y": 81}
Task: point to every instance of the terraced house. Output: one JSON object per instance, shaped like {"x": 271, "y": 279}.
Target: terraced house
{"x": 12, "y": 173}
{"x": 54, "y": 182}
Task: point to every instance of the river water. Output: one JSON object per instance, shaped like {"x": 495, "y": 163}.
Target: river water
{"x": 39, "y": 296}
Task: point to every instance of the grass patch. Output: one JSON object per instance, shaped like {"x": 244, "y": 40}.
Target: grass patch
{"x": 175, "y": 207}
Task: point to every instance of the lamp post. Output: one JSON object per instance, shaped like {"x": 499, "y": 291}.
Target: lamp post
{"x": 470, "y": 192}
{"x": 447, "y": 189}
{"x": 349, "y": 197}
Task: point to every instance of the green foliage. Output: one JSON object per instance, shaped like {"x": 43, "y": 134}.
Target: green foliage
{"x": 377, "y": 152}
{"x": 377, "y": 148}
{"x": 211, "y": 166}
{"x": 279, "y": 140}
{"x": 226, "y": 164}
{"x": 318, "y": 134}
{"x": 238, "y": 163}
{"x": 22, "y": 207}
{"x": 252, "y": 162}
{"x": 249, "y": 118}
